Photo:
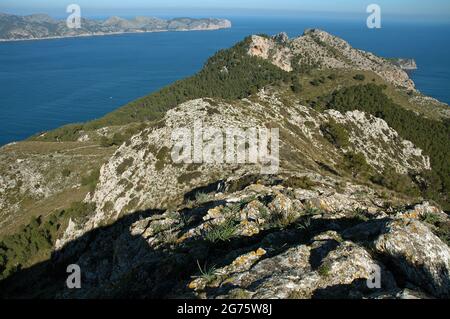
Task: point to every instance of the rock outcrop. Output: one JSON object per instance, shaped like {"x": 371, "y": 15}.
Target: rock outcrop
{"x": 321, "y": 49}
{"x": 272, "y": 238}
{"x": 263, "y": 241}
{"x": 142, "y": 174}
{"x": 418, "y": 254}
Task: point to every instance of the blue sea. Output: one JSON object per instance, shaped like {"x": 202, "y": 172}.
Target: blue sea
{"x": 48, "y": 83}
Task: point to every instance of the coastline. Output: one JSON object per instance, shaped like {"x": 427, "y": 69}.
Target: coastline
{"x": 113, "y": 33}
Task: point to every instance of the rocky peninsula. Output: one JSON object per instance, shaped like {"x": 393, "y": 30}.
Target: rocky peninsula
{"x": 42, "y": 26}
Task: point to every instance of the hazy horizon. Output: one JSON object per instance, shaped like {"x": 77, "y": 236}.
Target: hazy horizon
{"x": 434, "y": 10}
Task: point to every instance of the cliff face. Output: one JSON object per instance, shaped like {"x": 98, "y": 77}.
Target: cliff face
{"x": 342, "y": 205}
{"x": 42, "y": 26}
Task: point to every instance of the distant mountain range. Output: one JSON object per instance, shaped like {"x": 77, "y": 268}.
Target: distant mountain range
{"x": 42, "y": 26}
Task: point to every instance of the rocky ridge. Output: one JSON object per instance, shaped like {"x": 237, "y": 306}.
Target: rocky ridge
{"x": 267, "y": 240}
{"x": 319, "y": 48}
{"x": 141, "y": 173}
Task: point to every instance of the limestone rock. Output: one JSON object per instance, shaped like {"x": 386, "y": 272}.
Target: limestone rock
{"x": 304, "y": 271}
{"x": 420, "y": 255}
{"x": 319, "y": 47}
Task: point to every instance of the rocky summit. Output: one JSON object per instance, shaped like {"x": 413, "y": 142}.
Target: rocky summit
{"x": 357, "y": 207}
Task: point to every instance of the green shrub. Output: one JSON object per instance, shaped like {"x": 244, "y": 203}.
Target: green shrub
{"x": 65, "y": 133}
{"x": 305, "y": 225}
{"x": 91, "y": 180}
{"x": 222, "y": 232}
{"x": 79, "y": 210}
{"x": 35, "y": 240}
{"x": 296, "y": 86}
{"x": 202, "y": 198}
{"x": 311, "y": 211}
{"x": 206, "y": 273}
{"x": 332, "y": 76}
{"x": 395, "y": 181}
{"x": 18, "y": 249}
{"x": 66, "y": 172}
{"x": 356, "y": 164}
{"x": 122, "y": 167}
{"x": 443, "y": 232}
{"x": 335, "y": 133}
{"x": 282, "y": 220}
{"x": 162, "y": 158}
{"x": 360, "y": 215}
{"x": 324, "y": 270}
{"x": 303, "y": 182}
{"x": 105, "y": 142}
{"x": 431, "y": 218}
{"x": 359, "y": 77}
{"x": 116, "y": 140}
{"x": 231, "y": 210}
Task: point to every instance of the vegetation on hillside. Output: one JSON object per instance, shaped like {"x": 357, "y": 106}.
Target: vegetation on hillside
{"x": 335, "y": 133}
{"x": 432, "y": 136}
{"x": 229, "y": 74}
{"x": 233, "y": 74}
{"x": 35, "y": 241}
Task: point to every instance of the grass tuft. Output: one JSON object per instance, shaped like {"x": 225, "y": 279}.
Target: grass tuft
{"x": 222, "y": 232}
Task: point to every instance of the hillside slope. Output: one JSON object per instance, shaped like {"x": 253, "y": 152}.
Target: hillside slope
{"x": 362, "y": 184}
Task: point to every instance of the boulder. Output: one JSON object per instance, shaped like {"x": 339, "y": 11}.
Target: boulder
{"x": 418, "y": 254}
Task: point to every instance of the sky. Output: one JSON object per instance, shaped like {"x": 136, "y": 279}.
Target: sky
{"x": 422, "y": 8}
